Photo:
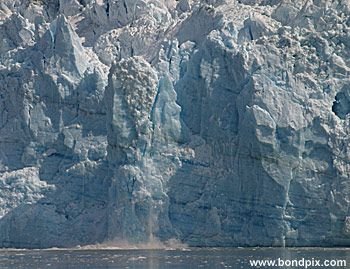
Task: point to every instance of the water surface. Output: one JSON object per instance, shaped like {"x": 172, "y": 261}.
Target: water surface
{"x": 161, "y": 259}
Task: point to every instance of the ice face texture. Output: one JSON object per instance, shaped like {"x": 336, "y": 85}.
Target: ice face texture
{"x": 215, "y": 123}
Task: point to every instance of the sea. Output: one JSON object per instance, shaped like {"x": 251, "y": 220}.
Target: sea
{"x": 171, "y": 258}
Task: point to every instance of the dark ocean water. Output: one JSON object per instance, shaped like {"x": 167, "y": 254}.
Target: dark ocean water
{"x": 167, "y": 258}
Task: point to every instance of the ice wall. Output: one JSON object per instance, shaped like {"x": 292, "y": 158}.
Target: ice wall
{"x": 215, "y": 123}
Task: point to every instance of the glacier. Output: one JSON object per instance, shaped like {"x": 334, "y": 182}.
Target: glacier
{"x": 213, "y": 123}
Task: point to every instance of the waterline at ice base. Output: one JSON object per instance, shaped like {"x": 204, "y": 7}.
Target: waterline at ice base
{"x": 166, "y": 123}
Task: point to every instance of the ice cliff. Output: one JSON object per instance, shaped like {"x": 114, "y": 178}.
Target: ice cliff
{"x": 215, "y": 123}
